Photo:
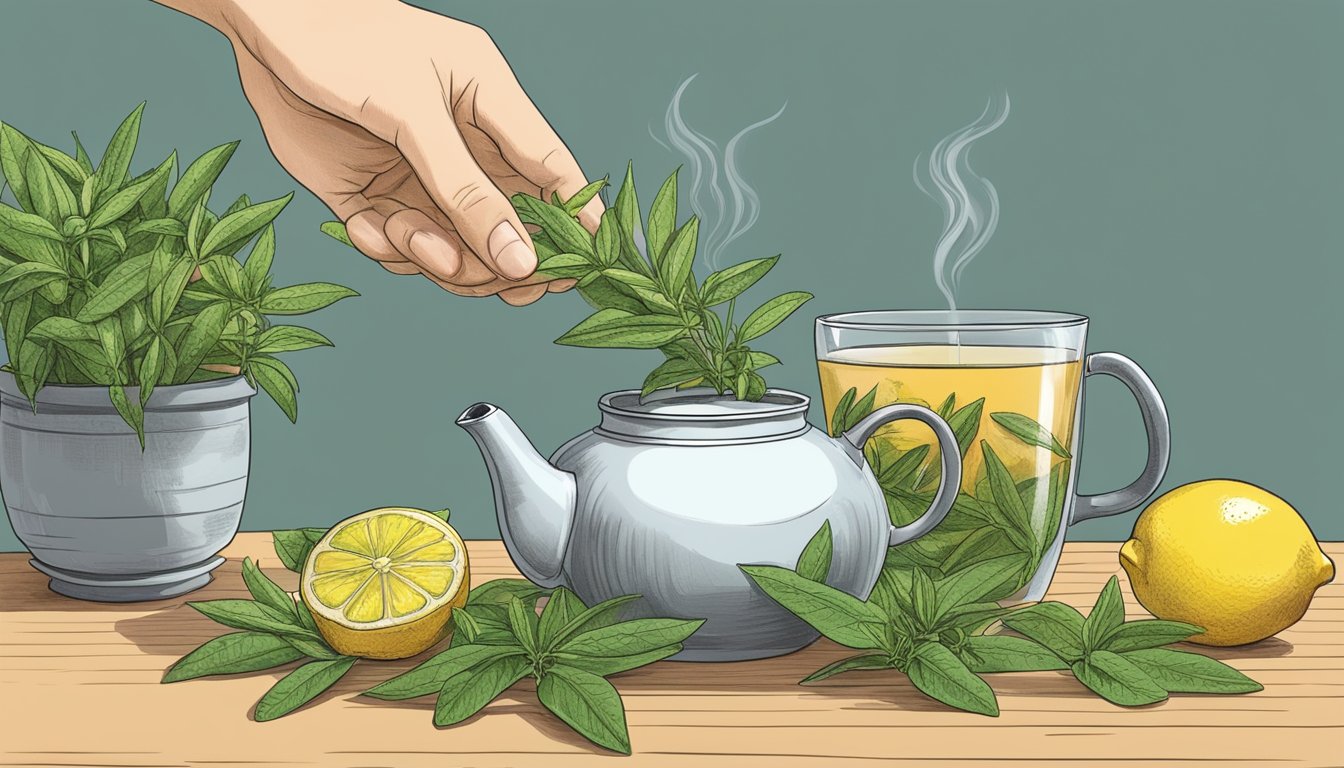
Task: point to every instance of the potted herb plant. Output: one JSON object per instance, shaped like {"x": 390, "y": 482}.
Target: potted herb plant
{"x": 135, "y": 339}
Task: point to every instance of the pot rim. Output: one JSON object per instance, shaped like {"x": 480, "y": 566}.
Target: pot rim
{"x": 165, "y": 398}
{"x": 786, "y": 403}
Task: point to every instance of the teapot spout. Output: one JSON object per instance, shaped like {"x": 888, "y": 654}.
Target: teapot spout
{"x": 534, "y": 501}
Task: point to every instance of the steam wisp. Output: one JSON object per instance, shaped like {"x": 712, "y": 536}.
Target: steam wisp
{"x": 725, "y": 203}
{"x": 969, "y": 201}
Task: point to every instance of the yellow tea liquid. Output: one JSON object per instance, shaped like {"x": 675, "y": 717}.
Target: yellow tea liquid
{"x": 1038, "y": 383}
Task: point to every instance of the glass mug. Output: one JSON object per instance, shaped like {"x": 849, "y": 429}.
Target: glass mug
{"x": 1011, "y": 385}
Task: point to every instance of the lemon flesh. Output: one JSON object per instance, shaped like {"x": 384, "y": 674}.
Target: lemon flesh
{"x": 1227, "y": 556}
{"x": 383, "y": 584}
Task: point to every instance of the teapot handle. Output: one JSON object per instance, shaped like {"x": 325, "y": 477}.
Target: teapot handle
{"x": 949, "y": 481}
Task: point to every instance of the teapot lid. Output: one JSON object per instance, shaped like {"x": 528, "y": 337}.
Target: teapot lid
{"x": 702, "y": 415}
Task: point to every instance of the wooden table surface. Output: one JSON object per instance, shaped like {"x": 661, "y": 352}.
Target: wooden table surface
{"x": 79, "y": 685}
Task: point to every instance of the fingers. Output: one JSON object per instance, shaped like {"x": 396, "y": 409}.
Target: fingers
{"x": 521, "y": 296}
{"x": 418, "y": 238}
{"x": 479, "y": 212}
{"x": 531, "y": 146}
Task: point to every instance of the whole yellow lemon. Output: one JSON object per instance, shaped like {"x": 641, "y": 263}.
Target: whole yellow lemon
{"x": 1227, "y": 556}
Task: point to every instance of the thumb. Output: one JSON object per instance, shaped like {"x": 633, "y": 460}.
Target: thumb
{"x": 480, "y": 213}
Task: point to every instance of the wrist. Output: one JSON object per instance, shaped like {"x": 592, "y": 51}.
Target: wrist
{"x": 234, "y": 18}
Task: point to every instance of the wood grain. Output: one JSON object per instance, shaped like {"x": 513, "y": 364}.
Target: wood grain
{"x": 80, "y": 685}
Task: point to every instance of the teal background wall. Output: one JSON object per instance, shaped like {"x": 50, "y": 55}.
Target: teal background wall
{"x": 1171, "y": 170}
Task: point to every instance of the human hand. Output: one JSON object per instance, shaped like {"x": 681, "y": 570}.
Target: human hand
{"x": 410, "y": 126}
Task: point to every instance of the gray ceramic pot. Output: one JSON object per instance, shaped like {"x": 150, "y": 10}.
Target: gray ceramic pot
{"x": 107, "y": 521}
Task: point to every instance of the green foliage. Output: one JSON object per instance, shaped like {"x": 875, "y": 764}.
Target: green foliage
{"x": 933, "y": 630}
{"x": 134, "y": 283}
{"x": 570, "y": 649}
{"x": 651, "y": 300}
{"x": 277, "y": 630}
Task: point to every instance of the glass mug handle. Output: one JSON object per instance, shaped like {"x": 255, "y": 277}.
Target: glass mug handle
{"x": 949, "y": 479}
{"x": 1155, "y": 422}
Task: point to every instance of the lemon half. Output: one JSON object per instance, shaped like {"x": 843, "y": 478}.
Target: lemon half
{"x": 383, "y": 584}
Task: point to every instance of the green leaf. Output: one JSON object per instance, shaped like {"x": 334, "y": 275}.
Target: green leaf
{"x": 923, "y": 596}
{"x": 114, "y": 168}
{"x": 501, "y": 591}
{"x": 336, "y": 231}
{"x": 128, "y": 281}
{"x": 588, "y": 704}
{"x": 198, "y": 178}
{"x": 727, "y": 284}
{"x": 863, "y": 661}
{"x": 570, "y": 265}
{"x": 603, "y": 614}
{"x": 965, "y": 423}
{"x": 130, "y": 409}
{"x": 1148, "y": 633}
{"x": 630, "y": 638}
{"x": 1117, "y": 680}
{"x": 581, "y": 198}
{"x": 293, "y": 546}
{"x": 611, "y": 665}
{"x": 984, "y": 580}
{"x": 560, "y": 609}
{"x": 1005, "y": 494}
{"x": 771, "y": 314}
{"x": 301, "y": 686}
{"x": 467, "y": 628}
{"x": 838, "y": 615}
{"x": 14, "y": 148}
{"x": 608, "y": 239}
{"x": 467, "y": 693}
{"x": 675, "y": 268}
{"x": 949, "y": 404}
{"x": 164, "y": 296}
{"x": 303, "y": 298}
{"x": 257, "y": 268}
{"x": 759, "y": 360}
{"x": 61, "y": 329}
{"x": 815, "y": 562}
{"x": 662, "y": 220}
{"x": 169, "y": 227}
{"x": 265, "y": 591}
{"x": 1180, "y": 672}
{"x": 672, "y": 372}
{"x": 278, "y": 380}
{"x": 51, "y": 198}
{"x": 1005, "y": 653}
{"x": 121, "y": 202}
{"x": 1030, "y": 432}
{"x": 432, "y": 675}
{"x": 614, "y": 328}
{"x": 523, "y": 623}
{"x": 250, "y": 615}
{"x": 231, "y": 654}
{"x": 942, "y": 676}
{"x": 1056, "y": 626}
{"x": 1107, "y": 615}
{"x": 224, "y": 275}
{"x": 838, "y": 416}
{"x": 313, "y": 649}
{"x": 288, "y": 338}
{"x": 201, "y": 335}
{"x": 240, "y": 226}
{"x": 567, "y": 233}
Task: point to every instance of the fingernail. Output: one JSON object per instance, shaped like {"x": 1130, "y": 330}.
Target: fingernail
{"x": 511, "y": 254}
{"x": 435, "y": 254}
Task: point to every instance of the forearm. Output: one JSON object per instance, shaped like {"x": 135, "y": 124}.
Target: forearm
{"x": 241, "y": 18}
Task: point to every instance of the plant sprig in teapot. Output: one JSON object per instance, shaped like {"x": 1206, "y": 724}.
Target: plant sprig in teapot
{"x": 651, "y": 299}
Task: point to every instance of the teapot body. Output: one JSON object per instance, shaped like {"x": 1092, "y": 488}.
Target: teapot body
{"x": 668, "y": 508}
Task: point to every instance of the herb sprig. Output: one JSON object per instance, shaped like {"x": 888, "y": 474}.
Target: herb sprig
{"x": 570, "y": 649}
{"x": 934, "y": 630}
{"x": 132, "y": 282}
{"x": 651, "y": 299}
{"x": 276, "y": 630}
